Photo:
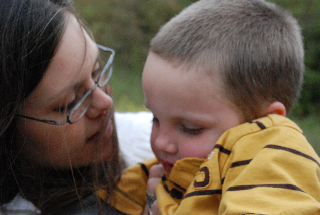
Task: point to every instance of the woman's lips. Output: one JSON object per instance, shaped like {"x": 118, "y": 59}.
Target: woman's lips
{"x": 107, "y": 148}
{"x": 109, "y": 130}
{"x": 93, "y": 138}
{"x": 107, "y": 134}
{"x": 102, "y": 141}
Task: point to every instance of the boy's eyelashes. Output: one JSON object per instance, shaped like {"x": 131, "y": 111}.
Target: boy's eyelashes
{"x": 188, "y": 129}
{"x": 191, "y": 131}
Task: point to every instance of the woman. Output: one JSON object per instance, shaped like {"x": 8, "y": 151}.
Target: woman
{"x": 58, "y": 141}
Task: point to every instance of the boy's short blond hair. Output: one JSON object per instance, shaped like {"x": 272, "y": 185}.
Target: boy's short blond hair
{"x": 255, "y": 46}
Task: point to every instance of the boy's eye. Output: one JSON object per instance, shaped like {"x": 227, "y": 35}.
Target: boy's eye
{"x": 191, "y": 130}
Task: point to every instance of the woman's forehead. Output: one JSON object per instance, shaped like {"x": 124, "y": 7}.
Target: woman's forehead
{"x": 76, "y": 53}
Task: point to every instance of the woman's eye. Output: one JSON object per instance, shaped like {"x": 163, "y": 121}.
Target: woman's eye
{"x": 96, "y": 73}
{"x": 67, "y": 107}
{"x": 192, "y": 131}
{"x": 155, "y": 120}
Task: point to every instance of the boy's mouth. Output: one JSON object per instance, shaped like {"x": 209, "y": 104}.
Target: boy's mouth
{"x": 167, "y": 166}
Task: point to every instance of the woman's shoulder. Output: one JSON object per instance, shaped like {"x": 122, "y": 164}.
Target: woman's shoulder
{"x": 20, "y": 206}
{"x": 89, "y": 205}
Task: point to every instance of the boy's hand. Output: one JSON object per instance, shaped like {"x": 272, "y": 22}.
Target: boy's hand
{"x": 155, "y": 174}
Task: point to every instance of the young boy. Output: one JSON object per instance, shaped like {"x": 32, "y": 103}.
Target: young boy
{"x": 220, "y": 78}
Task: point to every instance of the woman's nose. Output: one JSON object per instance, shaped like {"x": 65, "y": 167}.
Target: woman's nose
{"x": 100, "y": 103}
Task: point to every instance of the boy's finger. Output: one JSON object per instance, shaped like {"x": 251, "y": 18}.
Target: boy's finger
{"x": 155, "y": 208}
{"x": 151, "y": 185}
{"x": 156, "y": 171}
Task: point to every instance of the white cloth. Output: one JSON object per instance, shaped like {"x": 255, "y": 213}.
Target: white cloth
{"x": 134, "y": 130}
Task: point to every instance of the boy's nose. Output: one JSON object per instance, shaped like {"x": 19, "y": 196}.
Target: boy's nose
{"x": 100, "y": 103}
{"x": 165, "y": 144}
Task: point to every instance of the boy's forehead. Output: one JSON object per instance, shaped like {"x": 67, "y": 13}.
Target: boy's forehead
{"x": 161, "y": 73}
{"x": 197, "y": 72}
{"x": 199, "y": 67}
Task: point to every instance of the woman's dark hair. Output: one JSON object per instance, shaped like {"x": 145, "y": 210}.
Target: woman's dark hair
{"x": 30, "y": 31}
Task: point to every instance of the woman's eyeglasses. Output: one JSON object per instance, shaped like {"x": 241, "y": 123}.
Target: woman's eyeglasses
{"x": 83, "y": 104}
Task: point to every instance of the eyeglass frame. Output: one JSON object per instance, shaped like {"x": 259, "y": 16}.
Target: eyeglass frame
{"x": 85, "y": 96}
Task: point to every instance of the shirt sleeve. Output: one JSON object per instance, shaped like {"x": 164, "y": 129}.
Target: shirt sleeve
{"x": 283, "y": 178}
{"x": 130, "y": 193}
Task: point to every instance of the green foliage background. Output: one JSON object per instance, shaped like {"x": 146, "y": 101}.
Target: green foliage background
{"x": 128, "y": 25}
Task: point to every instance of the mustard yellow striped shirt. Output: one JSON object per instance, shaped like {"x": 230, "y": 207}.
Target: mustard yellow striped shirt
{"x": 263, "y": 167}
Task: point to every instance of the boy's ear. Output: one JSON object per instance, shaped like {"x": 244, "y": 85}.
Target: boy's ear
{"x": 275, "y": 108}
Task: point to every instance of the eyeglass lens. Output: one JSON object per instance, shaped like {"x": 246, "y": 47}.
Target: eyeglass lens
{"x": 106, "y": 59}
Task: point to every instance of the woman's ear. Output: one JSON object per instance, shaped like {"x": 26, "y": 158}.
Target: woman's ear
{"x": 275, "y": 108}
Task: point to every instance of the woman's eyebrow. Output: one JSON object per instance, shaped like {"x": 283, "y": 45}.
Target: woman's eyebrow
{"x": 63, "y": 91}
{"x": 76, "y": 85}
